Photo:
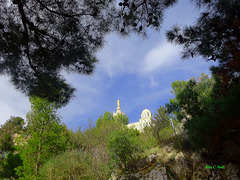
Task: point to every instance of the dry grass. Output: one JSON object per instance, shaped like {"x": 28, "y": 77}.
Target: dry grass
{"x": 163, "y": 156}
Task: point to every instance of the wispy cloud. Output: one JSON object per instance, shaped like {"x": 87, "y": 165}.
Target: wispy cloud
{"x": 122, "y": 56}
{"x": 137, "y": 71}
{"x": 159, "y": 58}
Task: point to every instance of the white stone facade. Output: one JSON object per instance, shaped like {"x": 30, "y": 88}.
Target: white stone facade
{"x": 146, "y": 120}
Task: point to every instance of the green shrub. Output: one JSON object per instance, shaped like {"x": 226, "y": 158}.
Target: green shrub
{"x": 124, "y": 146}
{"x": 148, "y": 141}
{"x": 69, "y": 165}
{"x": 166, "y": 133}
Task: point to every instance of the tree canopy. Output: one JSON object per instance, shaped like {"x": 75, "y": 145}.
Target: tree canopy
{"x": 39, "y": 39}
{"x": 123, "y": 145}
{"x": 107, "y": 117}
{"x": 211, "y": 106}
{"x": 211, "y": 119}
{"x": 215, "y": 36}
{"x": 46, "y": 137}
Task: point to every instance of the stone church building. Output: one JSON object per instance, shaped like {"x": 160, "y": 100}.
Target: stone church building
{"x": 145, "y": 120}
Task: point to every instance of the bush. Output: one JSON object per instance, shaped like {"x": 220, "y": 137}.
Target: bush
{"x": 123, "y": 146}
{"x": 69, "y": 165}
{"x": 148, "y": 141}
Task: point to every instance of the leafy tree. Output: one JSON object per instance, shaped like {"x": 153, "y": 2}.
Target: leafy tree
{"x": 123, "y": 145}
{"x": 123, "y": 119}
{"x": 215, "y": 36}
{"x": 193, "y": 102}
{"x": 12, "y": 126}
{"x": 211, "y": 118}
{"x": 40, "y": 38}
{"x": 107, "y": 117}
{"x": 46, "y": 138}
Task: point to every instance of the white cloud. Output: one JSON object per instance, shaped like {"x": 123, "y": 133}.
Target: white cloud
{"x": 122, "y": 55}
{"x": 12, "y": 102}
{"x": 159, "y": 58}
{"x": 88, "y": 89}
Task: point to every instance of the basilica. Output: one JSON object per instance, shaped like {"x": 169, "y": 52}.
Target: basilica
{"x": 145, "y": 120}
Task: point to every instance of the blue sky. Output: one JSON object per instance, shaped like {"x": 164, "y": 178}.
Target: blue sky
{"x": 137, "y": 71}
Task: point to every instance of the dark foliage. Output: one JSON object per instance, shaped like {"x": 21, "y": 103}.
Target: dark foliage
{"x": 215, "y": 119}
{"x": 137, "y": 16}
{"x": 39, "y": 39}
{"x": 215, "y": 36}
{"x": 211, "y": 114}
{"x": 12, "y": 161}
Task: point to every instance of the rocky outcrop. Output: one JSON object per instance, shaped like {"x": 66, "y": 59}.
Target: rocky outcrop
{"x": 155, "y": 173}
{"x": 179, "y": 166}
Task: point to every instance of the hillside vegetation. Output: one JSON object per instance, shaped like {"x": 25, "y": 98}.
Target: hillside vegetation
{"x": 204, "y": 113}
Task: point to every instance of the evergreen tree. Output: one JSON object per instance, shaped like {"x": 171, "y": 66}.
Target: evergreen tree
{"x": 161, "y": 122}
{"x": 40, "y": 38}
{"x": 193, "y": 103}
{"x": 215, "y": 109}
{"x": 211, "y": 118}
{"x": 215, "y": 36}
{"x": 46, "y": 137}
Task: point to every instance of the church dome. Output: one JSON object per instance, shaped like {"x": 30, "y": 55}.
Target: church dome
{"x": 146, "y": 114}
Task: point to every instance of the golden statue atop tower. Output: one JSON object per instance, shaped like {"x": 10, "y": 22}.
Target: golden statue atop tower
{"x": 118, "y": 103}
{"x": 118, "y": 109}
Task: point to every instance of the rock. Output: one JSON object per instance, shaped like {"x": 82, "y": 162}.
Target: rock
{"x": 169, "y": 148}
{"x": 151, "y": 158}
{"x": 138, "y": 175}
{"x": 182, "y": 167}
{"x": 156, "y": 174}
{"x": 146, "y": 162}
{"x": 232, "y": 172}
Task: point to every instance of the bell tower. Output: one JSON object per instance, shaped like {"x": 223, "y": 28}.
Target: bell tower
{"x": 118, "y": 109}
